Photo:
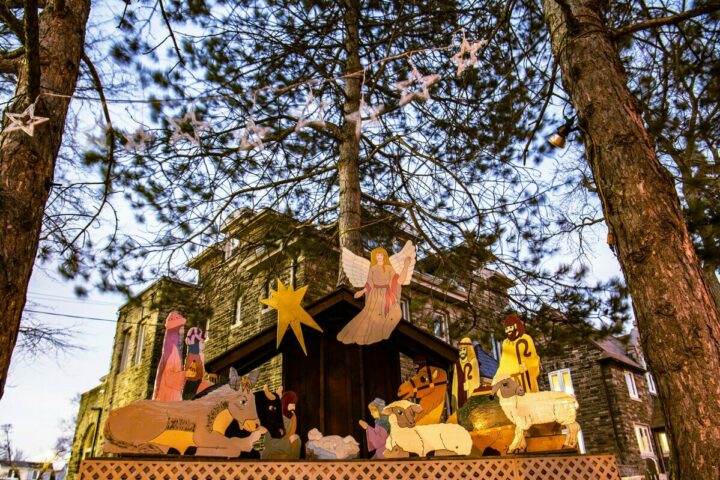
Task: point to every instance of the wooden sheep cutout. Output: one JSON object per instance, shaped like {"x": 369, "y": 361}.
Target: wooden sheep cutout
{"x": 440, "y": 439}
{"x": 527, "y": 409}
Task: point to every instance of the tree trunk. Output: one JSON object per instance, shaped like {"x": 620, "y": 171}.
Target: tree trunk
{"x": 349, "y": 220}
{"x": 27, "y": 163}
{"x": 676, "y": 315}
{"x": 709, "y": 270}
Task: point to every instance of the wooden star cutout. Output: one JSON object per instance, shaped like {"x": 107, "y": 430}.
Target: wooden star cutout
{"x": 187, "y": 128}
{"x": 25, "y": 121}
{"x": 416, "y": 87}
{"x": 287, "y": 303}
{"x": 372, "y": 112}
{"x": 312, "y": 112}
{"x": 138, "y": 140}
{"x": 467, "y": 56}
{"x": 252, "y": 136}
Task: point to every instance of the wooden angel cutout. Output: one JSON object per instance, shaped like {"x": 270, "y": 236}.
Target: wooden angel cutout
{"x": 380, "y": 280}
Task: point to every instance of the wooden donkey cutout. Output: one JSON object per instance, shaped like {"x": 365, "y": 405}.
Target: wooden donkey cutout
{"x": 429, "y": 386}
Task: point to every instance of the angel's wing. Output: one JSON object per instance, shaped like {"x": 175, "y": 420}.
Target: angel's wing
{"x": 356, "y": 268}
{"x": 398, "y": 262}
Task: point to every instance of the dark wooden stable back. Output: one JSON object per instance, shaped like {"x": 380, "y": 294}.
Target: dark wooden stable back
{"x": 335, "y": 382}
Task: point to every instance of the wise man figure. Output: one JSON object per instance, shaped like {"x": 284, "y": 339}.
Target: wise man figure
{"x": 466, "y": 374}
{"x": 519, "y": 358}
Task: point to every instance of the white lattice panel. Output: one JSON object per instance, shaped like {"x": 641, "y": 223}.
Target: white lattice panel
{"x": 584, "y": 467}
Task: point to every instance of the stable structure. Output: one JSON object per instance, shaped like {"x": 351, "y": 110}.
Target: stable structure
{"x": 335, "y": 381}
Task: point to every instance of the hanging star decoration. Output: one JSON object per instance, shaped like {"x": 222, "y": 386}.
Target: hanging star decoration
{"x": 416, "y": 87}
{"x": 313, "y": 111}
{"x": 371, "y": 112}
{"x": 287, "y": 303}
{"x": 99, "y": 139}
{"x": 138, "y": 141}
{"x": 25, "y": 121}
{"x": 187, "y": 128}
{"x": 467, "y": 56}
{"x": 252, "y": 136}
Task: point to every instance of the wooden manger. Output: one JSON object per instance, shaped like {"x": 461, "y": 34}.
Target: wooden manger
{"x": 569, "y": 467}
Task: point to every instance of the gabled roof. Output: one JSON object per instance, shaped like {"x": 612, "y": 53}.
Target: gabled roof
{"x": 407, "y": 338}
{"x": 612, "y": 349}
{"x": 488, "y": 364}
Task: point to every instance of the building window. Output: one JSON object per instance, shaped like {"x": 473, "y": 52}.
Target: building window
{"x": 405, "y": 308}
{"x": 293, "y": 273}
{"x": 440, "y": 325}
{"x": 632, "y": 388}
{"x": 664, "y": 444}
{"x": 266, "y": 294}
{"x": 237, "y": 317}
{"x": 496, "y": 346}
{"x": 125, "y": 352}
{"x": 230, "y": 247}
{"x": 140, "y": 344}
{"x": 642, "y": 433}
{"x": 652, "y": 388}
{"x": 560, "y": 381}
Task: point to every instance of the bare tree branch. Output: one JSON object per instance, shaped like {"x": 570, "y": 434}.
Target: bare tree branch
{"x": 32, "y": 49}
{"x": 669, "y": 20}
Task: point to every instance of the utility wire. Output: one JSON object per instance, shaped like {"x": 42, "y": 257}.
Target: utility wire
{"x": 96, "y": 319}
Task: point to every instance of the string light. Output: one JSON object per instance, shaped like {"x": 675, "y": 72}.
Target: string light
{"x": 415, "y": 87}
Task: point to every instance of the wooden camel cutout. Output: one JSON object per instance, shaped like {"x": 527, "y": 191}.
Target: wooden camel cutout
{"x": 429, "y": 386}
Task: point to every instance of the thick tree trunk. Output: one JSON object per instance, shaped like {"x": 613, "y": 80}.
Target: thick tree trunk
{"x": 709, "y": 270}
{"x": 27, "y": 163}
{"x": 676, "y": 315}
{"x": 349, "y": 220}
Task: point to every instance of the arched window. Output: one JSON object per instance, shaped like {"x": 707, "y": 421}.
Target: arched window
{"x": 440, "y": 325}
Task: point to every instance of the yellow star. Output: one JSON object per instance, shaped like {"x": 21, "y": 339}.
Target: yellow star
{"x": 287, "y": 302}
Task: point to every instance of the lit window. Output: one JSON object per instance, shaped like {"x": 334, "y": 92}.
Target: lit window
{"x": 405, "y": 308}
{"x": 139, "y": 345}
{"x": 642, "y": 433}
{"x": 125, "y": 353}
{"x": 652, "y": 388}
{"x": 560, "y": 381}
{"x": 237, "y": 319}
{"x": 632, "y": 388}
{"x": 664, "y": 444}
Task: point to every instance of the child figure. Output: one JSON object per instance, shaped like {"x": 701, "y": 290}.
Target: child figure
{"x": 377, "y": 435}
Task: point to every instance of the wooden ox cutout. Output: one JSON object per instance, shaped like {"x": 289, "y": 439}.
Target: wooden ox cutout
{"x": 187, "y": 427}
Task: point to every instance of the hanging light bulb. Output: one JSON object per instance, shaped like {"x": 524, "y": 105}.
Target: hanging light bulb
{"x": 559, "y": 138}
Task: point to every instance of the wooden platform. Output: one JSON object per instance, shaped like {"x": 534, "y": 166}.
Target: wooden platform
{"x": 570, "y": 467}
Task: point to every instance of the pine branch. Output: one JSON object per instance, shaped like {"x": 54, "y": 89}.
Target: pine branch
{"x": 669, "y": 20}
{"x": 12, "y": 22}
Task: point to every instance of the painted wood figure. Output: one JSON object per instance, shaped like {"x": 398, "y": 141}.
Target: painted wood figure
{"x": 377, "y": 434}
{"x": 187, "y": 427}
{"x": 519, "y": 358}
{"x": 170, "y": 378}
{"x": 406, "y": 434}
{"x": 466, "y": 374}
{"x": 195, "y": 381}
{"x": 380, "y": 280}
{"x": 429, "y": 387}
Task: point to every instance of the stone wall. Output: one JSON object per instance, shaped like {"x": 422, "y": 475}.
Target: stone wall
{"x": 91, "y": 403}
{"x": 607, "y": 414}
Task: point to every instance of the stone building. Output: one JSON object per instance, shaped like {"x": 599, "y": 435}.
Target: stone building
{"x": 619, "y": 409}
{"x": 232, "y": 276}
